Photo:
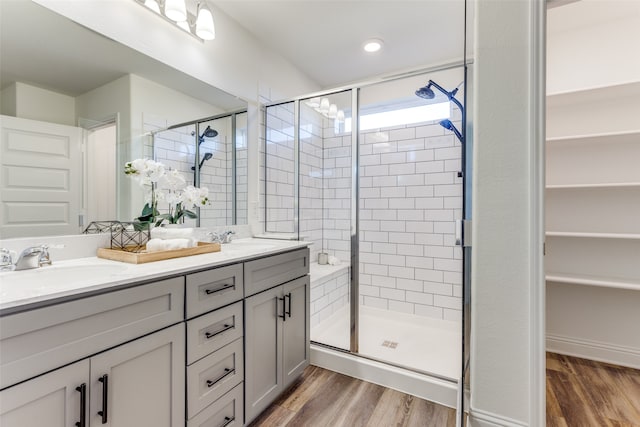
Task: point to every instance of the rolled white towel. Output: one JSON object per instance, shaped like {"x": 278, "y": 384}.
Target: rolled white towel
{"x": 171, "y": 233}
{"x": 157, "y": 245}
{"x": 333, "y": 260}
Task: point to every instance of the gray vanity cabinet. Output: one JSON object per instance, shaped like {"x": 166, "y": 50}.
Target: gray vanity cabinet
{"x": 276, "y": 342}
{"x": 52, "y": 400}
{"x": 138, "y": 384}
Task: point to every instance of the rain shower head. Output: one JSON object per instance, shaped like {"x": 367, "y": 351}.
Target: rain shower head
{"x": 208, "y": 133}
{"x": 426, "y": 92}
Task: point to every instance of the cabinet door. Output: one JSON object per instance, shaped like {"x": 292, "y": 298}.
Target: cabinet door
{"x": 263, "y": 355}
{"x": 49, "y": 400}
{"x": 140, "y": 383}
{"x": 295, "y": 350}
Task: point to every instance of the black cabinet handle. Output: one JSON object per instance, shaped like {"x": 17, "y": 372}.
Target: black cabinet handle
{"x": 83, "y": 405}
{"x": 227, "y": 372}
{"x": 222, "y": 289}
{"x": 105, "y": 391}
{"x": 284, "y": 310}
{"x": 289, "y": 297}
{"x": 226, "y": 327}
{"x": 228, "y": 421}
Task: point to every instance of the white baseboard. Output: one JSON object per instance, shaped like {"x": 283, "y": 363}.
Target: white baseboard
{"x": 479, "y": 418}
{"x": 594, "y": 350}
{"x": 422, "y": 386}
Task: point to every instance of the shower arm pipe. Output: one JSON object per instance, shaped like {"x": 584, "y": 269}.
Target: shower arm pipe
{"x": 450, "y": 95}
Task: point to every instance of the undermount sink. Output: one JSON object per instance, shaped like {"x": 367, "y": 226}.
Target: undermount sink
{"x": 64, "y": 273}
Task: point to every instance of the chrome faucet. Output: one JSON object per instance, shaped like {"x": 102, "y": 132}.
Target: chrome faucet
{"x": 34, "y": 257}
{"x": 224, "y": 237}
{"x": 227, "y": 236}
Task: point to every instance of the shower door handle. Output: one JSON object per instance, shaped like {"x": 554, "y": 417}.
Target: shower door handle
{"x": 458, "y": 232}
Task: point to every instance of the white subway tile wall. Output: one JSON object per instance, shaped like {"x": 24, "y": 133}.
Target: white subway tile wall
{"x": 328, "y": 294}
{"x": 410, "y": 197}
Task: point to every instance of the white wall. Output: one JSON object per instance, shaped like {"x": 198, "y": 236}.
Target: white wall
{"x": 30, "y": 102}
{"x": 507, "y": 347}
{"x": 593, "y": 43}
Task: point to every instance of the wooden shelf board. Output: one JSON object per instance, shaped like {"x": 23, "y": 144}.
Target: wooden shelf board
{"x": 603, "y": 282}
{"x": 588, "y": 186}
{"x": 630, "y": 236}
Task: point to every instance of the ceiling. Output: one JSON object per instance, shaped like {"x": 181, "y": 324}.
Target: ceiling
{"x": 324, "y": 38}
{"x": 44, "y": 49}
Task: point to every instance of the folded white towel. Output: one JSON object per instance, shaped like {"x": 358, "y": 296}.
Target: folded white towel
{"x": 333, "y": 260}
{"x": 171, "y": 233}
{"x": 157, "y": 245}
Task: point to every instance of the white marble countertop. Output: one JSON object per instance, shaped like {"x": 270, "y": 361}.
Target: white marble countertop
{"x": 72, "y": 278}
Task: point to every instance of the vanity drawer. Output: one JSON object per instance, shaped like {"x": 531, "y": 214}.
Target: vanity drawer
{"x": 225, "y": 412}
{"x": 213, "y": 288}
{"x": 265, "y": 273}
{"x": 212, "y": 331}
{"x": 42, "y": 339}
{"x": 209, "y": 378}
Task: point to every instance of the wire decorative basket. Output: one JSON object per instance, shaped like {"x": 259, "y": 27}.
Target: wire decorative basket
{"x": 125, "y": 236}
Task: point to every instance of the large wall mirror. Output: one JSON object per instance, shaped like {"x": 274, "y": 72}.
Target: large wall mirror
{"x": 76, "y": 106}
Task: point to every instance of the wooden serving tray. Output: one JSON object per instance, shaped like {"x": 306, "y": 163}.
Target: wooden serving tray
{"x": 142, "y": 257}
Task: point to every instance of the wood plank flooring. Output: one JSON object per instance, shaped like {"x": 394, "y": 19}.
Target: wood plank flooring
{"x": 582, "y": 393}
{"x": 322, "y": 398}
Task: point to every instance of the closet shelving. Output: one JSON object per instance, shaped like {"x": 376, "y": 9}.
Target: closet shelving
{"x": 593, "y": 187}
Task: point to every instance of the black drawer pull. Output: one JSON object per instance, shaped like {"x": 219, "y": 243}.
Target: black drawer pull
{"x": 105, "y": 391}
{"x": 284, "y": 309}
{"x": 210, "y": 335}
{"x": 289, "y": 297}
{"x": 222, "y": 289}
{"x": 83, "y": 405}
{"x": 227, "y": 372}
{"x": 228, "y": 421}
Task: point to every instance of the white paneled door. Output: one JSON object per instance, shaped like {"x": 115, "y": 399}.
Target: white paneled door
{"x": 40, "y": 178}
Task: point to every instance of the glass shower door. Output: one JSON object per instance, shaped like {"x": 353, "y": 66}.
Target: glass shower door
{"x": 410, "y": 187}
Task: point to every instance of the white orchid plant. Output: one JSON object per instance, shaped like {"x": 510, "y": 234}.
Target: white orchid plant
{"x": 166, "y": 185}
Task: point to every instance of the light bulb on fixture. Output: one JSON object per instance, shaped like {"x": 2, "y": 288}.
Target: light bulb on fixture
{"x": 314, "y": 102}
{"x": 333, "y": 111}
{"x": 153, "y": 5}
{"x": 175, "y": 10}
{"x": 340, "y": 116}
{"x": 205, "y": 28}
{"x": 324, "y": 105}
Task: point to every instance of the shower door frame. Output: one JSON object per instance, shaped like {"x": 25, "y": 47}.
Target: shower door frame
{"x": 354, "y": 287}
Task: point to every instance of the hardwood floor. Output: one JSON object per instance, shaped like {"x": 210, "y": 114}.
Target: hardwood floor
{"x": 323, "y": 398}
{"x": 580, "y": 393}
{"x": 583, "y": 393}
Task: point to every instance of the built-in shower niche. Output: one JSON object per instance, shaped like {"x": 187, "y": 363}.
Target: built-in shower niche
{"x": 210, "y": 153}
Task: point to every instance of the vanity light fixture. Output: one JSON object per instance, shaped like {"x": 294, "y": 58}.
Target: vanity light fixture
{"x": 372, "y": 45}
{"x": 324, "y": 105}
{"x": 333, "y": 111}
{"x": 326, "y": 108}
{"x": 192, "y": 16}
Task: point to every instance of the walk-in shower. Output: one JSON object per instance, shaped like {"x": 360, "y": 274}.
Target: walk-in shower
{"x": 377, "y": 185}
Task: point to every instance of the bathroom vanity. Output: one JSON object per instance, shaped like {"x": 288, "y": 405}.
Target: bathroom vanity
{"x": 208, "y": 340}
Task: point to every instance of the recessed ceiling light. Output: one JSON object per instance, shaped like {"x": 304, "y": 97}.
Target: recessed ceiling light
{"x": 372, "y": 45}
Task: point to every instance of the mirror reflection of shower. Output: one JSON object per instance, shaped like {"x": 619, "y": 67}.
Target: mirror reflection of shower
{"x": 208, "y": 133}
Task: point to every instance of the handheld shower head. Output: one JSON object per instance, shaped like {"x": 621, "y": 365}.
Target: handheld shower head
{"x": 426, "y": 92}
{"x": 207, "y": 156}
{"x": 446, "y": 123}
